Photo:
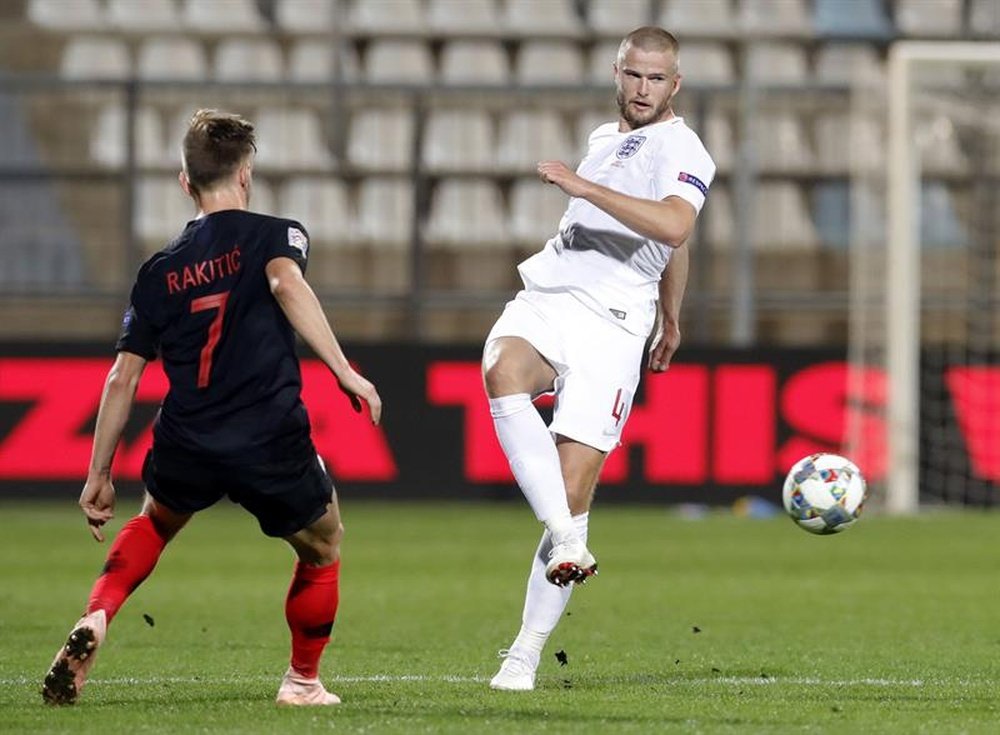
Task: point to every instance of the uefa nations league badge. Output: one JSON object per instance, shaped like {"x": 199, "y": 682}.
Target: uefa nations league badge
{"x": 630, "y": 146}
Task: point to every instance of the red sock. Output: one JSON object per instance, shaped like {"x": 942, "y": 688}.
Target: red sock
{"x": 131, "y": 558}
{"x": 310, "y": 610}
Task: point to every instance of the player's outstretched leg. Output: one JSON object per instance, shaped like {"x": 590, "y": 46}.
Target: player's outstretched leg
{"x": 73, "y": 662}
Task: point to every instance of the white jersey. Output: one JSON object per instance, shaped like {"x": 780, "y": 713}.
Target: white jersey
{"x": 611, "y": 268}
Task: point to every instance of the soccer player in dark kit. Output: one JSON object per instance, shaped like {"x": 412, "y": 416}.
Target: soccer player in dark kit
{"x": 221, "y": 305}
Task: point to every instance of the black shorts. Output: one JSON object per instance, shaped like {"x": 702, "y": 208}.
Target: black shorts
{"x": 284, "y": 496}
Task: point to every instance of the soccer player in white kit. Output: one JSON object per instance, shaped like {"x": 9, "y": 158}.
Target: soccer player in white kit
{"x": 591, "y": 298}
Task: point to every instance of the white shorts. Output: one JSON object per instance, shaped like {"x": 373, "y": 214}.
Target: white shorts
{"x": 597, "y": 363}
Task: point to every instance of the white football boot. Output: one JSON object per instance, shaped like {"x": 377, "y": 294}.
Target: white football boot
{"x": 570, "y": 563}
{"x": 68, "y": 673}
{"x": 297, "y": 690}
{"x": 517, "y": 672}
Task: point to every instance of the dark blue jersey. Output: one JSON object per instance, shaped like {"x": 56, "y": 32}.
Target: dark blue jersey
{"x": 204, "y": 305}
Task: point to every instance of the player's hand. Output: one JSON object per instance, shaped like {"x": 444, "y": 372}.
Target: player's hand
{"x": 665, "y": 344}
{"x": 558, "y": 173}
{"x": 97, "y": 501}
{"x": 358, "y": 389}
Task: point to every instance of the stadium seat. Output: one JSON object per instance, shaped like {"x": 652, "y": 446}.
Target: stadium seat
{"x": 937, "y": 140}
{"x": 867, "y": 19}
{"x": 388, "y": 16}
{"x": 984, "y": 18}
{"x": 778, "y": 17}
{"x": 698, "y": 18}
{"x": 313, "y": 61}
{"x": 718, "y": 228}
{"x": 781, "y": 142}
{"x": 466, "y": 213}
{"x": 291, "y": 138}
{"x": 167, "y": 57}
{"x": 549, "y": 63}
{"x": 552, "y": 18}
{"x": 474, "y": 62}
{"x": 781, "y": 218}
{"x": 143, "y": 15}
{"x": 455, "y": 17}
{"x": 307, "y": 16}
{"x": 262, "y": 198}
{"x": 777, "y": 63}
{"x": 618, "y": 17}
{"x": 88, "y": 57}
{"x": 832, "y": 213}
{"x": 248, "y": 60}
{"x": 529, "y": 136}
{"x": 707, "y": 63}
{"x": 41, "y": 250}
{"x": 846, "y": 63}
{"x": 162, "y": 209}
{"x": 717, "y": 134}
{"x": 922, "y": 18}
{"x": 399, "y": 62}
{"x": 459, "y": 140}
{"x": 602, "y": 58}
{"x": 385, "y": 212}
{"x": 59, "y": 15}
{"x": 381, "y": 139}
{"x": 847, "y": 143}
{"x": 221, "y": 16}
{"x": 535, "y": 211}
{"x": 319, "y": 204}
{"x": 108, "y": 142}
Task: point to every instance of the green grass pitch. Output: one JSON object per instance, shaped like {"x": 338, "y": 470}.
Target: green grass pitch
{"x": 717, "y": 625}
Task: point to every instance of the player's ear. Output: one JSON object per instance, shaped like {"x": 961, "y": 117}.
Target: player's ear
{"x": 182, "y": 179}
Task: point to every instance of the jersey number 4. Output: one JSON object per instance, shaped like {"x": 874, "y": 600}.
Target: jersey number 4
{"x": 204, "y": 303}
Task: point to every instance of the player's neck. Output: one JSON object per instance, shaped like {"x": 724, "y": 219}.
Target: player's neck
{"x": 625, "y": 127}
{"x": 219, "y": 200}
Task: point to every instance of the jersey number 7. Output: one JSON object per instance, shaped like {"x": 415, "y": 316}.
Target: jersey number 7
{"x": 204, "y": 303}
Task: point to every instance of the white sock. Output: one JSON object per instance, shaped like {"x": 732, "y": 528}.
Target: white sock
{"x": 544, "y": 603}
{"x": 533, "y": 459}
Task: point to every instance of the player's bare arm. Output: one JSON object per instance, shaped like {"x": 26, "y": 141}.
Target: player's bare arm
{"x": 667, "y": 337}
{"x": 98, "y": 497}
{"x": 669, "y": 221}
{"x": 299, "y": 303}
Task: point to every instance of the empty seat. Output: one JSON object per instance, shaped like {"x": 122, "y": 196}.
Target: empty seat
{"x": 321, "y": 205}
{"x": 552, "y": 17}
{"x": 940, "y": 225}
{"x": 984, "y": 18}
{"x": 618, "y": 17}
{"x": 922, "y": 18}
{"x": 781, "y": 142}
{"x": 779, "y": 17}
{"x": 867, "y": 19}
{"x": 706, "y": 63}
{"x": 109, "y": 140}
{"x": 262, "y": 198}
{"x": 474, "y": 62}
{"x": 777, "y": 63}
{"x": 291, "y": 138}
{"x": 306, "y": 16}
{"x": 95, "y": 58}
{"x": 466, "y": 213}
{"x": 846, "y": 143}
{"x": 848, "y": 63}
{"x": 321, "y": 61}
{"x": 225, "y": 16}
{"x": 535, "y": 211}
{"x": 385, "y": 211}
{"x": 720, "y": 141}
{"x": 937, "y": 140}
{"x": 406, "y": 62}
{"x": 549, "y": 63}
{"x": 381, "y": 139}
{"x": 388, "y": 16}
{"x": 832, "y": 213}
{"x": 698, "y": 17}
{"x": 602, "y": 58}
{"x": 458, "y": 140}
{"x": 248, "y": 60}
{"x": 462, "y": 16}
{"x": 78, "y": 15}
{"x": 143, "y": 15}
{"x": 529, "y": 136}
{"x": 162, "y": 210}
{"x": 717, "y": 224}
{"x": 586, "y": 123}
{"x": 781, "y": 218}
{"x": 168, "y": 57}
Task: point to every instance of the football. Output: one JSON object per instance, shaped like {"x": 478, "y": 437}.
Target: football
{"x": 824, "y": 493}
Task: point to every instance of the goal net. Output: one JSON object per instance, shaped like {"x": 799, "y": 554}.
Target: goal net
{"x": 924, "y": 387}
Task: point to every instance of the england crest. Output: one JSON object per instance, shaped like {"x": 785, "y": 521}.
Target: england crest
{"x": 630, "y": 145}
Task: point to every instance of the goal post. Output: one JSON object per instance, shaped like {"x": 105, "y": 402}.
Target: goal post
{"x": 924, "y": 301}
